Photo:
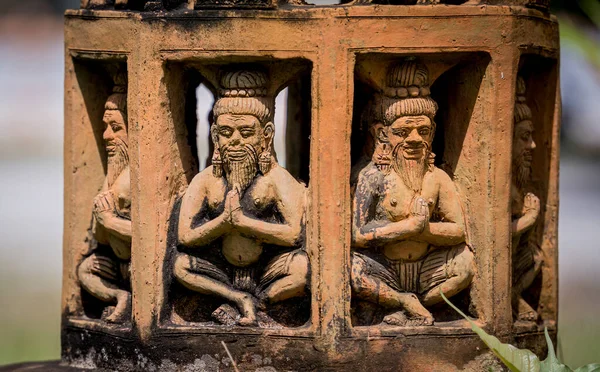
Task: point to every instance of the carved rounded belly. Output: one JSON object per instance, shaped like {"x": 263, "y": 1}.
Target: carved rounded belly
{"x": 241, "y": 251}
{"x": 406, "y": 250}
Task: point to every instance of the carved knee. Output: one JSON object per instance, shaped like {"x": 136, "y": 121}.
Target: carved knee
{"x": 299, "y": 266}
{"x": 181, "y": 266}
{"x": 538, "y": 260}
{"x": 465, "y": 268}
{"x": 85, "y": 268}
{"x": 357, "y": 273}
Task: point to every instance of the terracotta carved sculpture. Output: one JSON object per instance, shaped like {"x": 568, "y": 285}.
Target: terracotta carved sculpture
{"x": 408, "y": 226}
{"x": 242, "y": 219}
{"x": 527, "y": 256}
{"x": 105, "y": 272}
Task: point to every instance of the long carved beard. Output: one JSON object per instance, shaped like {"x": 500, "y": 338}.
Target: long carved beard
{"x": 240, "y": 170}
{"x": 521, "y": 173}
{"x": 117, "y": 162}
{"x": 411, "y": 171}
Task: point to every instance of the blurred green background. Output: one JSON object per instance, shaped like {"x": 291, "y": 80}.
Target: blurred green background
{"x": 31, "y": 123}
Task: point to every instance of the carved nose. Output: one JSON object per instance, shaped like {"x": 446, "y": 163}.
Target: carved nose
{"x": 413, "y": 137}
{"x": 235, "y": 138}
{"x": 107, "y": 135}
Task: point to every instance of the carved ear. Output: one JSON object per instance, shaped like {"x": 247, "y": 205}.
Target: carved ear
{"x": 213, "y": 135}
{"x": 217, "y": 161}
{"x": 381, "y": 134}
{"x": 268, "y": 135}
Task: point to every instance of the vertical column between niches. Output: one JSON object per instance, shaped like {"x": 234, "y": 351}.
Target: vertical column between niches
{"x": 551, "y": 244}
{"x": 73, "y": 220}
{"x": 505, "y": 62}
{"x": 147, "y": 146}
{"x": 330, "y": 209}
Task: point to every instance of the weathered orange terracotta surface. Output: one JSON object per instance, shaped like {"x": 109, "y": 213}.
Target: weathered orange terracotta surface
{"x": 163, "y": 262}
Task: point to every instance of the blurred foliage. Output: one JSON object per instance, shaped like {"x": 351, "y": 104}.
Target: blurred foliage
{"x": 522, "y": 360}
{"x": 579, "y": 28}
{"x": 29, "y": 321}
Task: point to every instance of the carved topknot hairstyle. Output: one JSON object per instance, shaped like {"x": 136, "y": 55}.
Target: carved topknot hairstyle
{"x": 407, "y": 91}
{"x": 118, "y": 99}
{"x": 522, "y": 111}
{"x": 244, "y": 92}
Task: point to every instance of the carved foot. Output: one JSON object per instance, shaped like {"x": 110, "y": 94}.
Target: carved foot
{"x": 226, "y": 315}
{"x": 122, "y": 311}
{"x": 399, "y": 318}
{"x": 247, "y": 305}
{"x": 526, "y": 312}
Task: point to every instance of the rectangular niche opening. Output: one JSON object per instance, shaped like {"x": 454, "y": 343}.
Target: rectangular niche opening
{"x": 535, "y": 251}
{"x": 101, "y": 85}
{"x": 459, "y": 85}
{"x": 193, "y": 87}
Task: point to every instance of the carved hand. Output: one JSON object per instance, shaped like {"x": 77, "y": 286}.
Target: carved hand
{"x": 236, "y": 209}
{"x": 104, "y": 267}
{"x": 531, "y": 206}
{"x": 104, "y": 207}
{"x": 420, "y": 215}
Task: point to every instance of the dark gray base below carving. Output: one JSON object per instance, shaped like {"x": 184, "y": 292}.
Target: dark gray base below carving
{"x": 170, "y": 350}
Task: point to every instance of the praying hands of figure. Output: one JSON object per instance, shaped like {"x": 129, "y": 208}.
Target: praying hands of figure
{"x": 104, "y": 207}
{"x": 530, "y": 214}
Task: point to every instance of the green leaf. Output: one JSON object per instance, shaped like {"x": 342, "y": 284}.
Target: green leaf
{"x": 517, "y": 360}
{"x": 589, "y": 368}
{"x": 552, "y": 364}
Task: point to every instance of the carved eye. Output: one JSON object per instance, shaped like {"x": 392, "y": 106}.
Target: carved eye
{"x": 401, "y": 132}
{"x": 247, "y": 133}
{"x": 225, "y": 132}
{"x": 424, "y": 131}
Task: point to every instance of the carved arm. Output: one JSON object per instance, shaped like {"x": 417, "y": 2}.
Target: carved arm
{"x": 192, "y": 204}
{"x": 449, "y": 231}
{"x": 290, "y": 196}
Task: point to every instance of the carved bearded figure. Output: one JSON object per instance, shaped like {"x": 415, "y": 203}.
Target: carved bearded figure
{"x": 527, "y": 257}
{"x": 105, "y": 273}
{"x": 408, "y": 226}
{"x": 241, "y": 220}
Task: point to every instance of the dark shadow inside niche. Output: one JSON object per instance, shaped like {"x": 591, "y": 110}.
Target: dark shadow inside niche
{"x": 96, "y": 80}
{"x": 540, "y": 76}
{"x": 193, "y": 88}
{"x": 455, "y": 83}
{"x": 456, "y": 92}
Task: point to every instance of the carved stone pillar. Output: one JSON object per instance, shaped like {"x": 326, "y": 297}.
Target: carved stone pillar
{"x": 421, "y": 155}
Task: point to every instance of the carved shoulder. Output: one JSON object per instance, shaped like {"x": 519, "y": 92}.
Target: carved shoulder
{"x": 284, "y": 182}
{"x": 370, "y": 179}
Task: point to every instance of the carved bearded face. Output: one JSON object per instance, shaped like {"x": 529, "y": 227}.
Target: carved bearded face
{"x": 115, "y": 139}
{"x": 410, "y": 138}
{"x": 240, "y": 140}
{"x": 523, "y": 146}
